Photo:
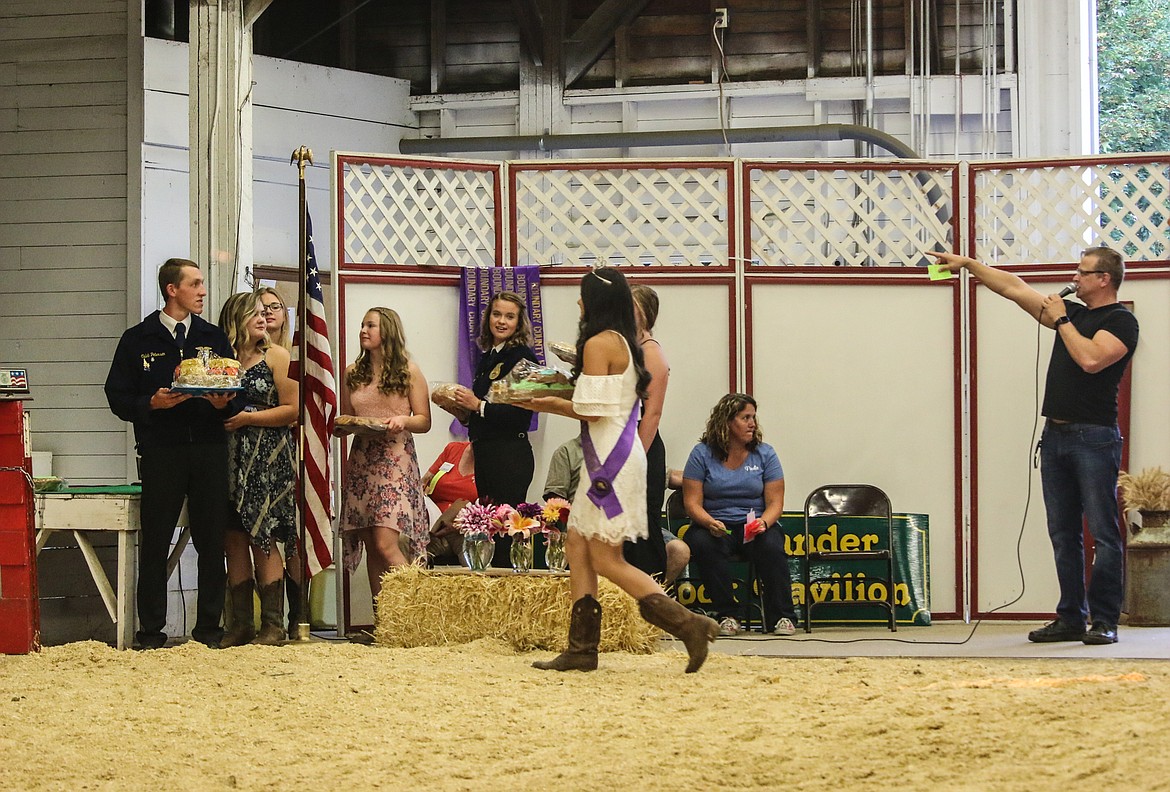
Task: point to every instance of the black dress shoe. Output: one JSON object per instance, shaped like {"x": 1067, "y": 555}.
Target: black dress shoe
{"x": 1100, "y": 633}
{"x": 151, "y": 640}
{"x": 209, "y": 637}
{"x": 1057, "y": 631}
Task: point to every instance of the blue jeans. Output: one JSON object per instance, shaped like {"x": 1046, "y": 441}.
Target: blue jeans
{"x": 1079, "y": 463}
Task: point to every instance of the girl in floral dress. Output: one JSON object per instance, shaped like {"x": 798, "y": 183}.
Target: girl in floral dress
{"x": 383, "y": 496}
{"x": 610, "y": 505}
{"x": 261, "y": 475}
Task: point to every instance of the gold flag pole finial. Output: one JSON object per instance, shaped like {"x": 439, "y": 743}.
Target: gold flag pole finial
{"x": 300, "y": 156}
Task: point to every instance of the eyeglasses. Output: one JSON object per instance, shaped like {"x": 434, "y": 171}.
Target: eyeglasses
{"x": 1084, "y": 272}
{"x": 272, "y": 308}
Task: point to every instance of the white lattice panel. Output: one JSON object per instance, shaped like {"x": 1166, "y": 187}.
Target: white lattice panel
{"x": 673, "y": 215}
{"x": 424, "y": 215}
{"x": 1050, "y": 214}
{"x": 834, "y": 217}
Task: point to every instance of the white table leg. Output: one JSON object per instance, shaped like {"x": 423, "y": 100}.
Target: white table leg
{"x": 98, "y": 574}
{"x": 127, "y": 590}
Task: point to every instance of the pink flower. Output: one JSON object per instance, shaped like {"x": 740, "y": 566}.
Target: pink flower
{"x": 475, "y": 519}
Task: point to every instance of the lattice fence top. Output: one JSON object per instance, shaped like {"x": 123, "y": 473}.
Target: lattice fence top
{"x": 834, "y": 217}
{"x": 675, "y": 215}
{"x": 399, "y": 214}
{"x": 1050, "y": 214}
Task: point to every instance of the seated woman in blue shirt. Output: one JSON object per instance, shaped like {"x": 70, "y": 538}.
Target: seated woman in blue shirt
{"x": 730, "y": 473}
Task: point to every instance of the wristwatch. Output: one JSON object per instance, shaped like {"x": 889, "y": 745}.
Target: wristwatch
{"x": 1061, "y": 320}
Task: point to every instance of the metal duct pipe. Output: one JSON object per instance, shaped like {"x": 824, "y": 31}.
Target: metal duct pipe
{"x": 685, "y": 137}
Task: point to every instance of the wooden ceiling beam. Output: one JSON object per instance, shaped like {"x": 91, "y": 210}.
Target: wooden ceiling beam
{"x": 438, "y": 46}
{"x": 531, "y": 24}
{"x": 253, "y": 9}
{"x": 590, "y": 41}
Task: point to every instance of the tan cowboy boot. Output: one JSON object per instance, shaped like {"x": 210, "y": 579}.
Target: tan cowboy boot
{"x": 271, "y": 614}
{"x": 693, "y": 630}
{"x": 243, "y": 627}
{"x": 584, "y": 636}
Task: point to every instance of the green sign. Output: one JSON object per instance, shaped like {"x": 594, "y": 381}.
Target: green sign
{"x": 846, "y": 581}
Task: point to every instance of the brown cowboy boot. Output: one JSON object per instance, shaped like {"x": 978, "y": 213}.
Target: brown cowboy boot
{"x": 293, "y": 591}
{"x": 271, "y": 614}
{"x": 243, "y": 626}
{"x": 693, "y": 630}
{"x": 584, "y": 636}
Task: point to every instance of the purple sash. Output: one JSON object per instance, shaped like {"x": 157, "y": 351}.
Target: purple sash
{"x": 601, "y": 475}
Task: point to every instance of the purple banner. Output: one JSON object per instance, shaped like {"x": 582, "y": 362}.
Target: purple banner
{"x": 477, "y": 285}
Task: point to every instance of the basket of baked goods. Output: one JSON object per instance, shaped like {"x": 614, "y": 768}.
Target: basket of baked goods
{"x": 357, "y": 425}
{"x": 207, "y": 373}
{"x": 528, "y": 380}
{"x": 566, "y": 352}
{"x": 445, "y": 394}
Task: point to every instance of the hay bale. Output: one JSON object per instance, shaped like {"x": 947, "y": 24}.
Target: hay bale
{"x": 444, "y": 606}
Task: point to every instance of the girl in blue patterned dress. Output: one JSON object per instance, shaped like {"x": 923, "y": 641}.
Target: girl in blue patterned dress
{"x": 610, "y": 505}
{"x": 261, "y": 483}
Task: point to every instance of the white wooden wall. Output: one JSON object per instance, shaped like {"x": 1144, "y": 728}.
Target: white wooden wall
{"x": 63, "y": 231}
{"x": 65, "y": 195}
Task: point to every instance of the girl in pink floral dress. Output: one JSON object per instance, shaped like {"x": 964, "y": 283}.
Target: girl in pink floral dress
{"x": 383, "y": 492}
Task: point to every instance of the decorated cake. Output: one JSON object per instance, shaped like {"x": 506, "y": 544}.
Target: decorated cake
{"x": 207, "y": 371}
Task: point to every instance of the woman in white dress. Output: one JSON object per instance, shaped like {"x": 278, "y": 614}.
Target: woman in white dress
{"x": 610, "y": 506}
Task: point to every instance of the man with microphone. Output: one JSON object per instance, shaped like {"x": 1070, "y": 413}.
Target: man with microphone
{"x": 1080, "y": 451}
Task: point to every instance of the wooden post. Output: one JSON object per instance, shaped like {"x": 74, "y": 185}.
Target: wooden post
{"x": 220, "y": 156}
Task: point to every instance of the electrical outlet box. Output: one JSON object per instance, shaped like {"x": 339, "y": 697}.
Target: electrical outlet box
{"x": 720, "y": 17}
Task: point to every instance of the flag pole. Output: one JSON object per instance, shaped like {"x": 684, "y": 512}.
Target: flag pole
{"x": 300, "y": 157}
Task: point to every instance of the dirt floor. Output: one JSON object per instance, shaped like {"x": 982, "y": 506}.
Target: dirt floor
{"x": 333, "y": 715}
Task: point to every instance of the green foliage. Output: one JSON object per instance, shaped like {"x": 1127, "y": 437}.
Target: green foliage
{"x": 1133, "y": 74}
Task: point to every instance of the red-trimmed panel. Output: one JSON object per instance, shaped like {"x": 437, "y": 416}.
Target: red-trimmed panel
{"x": 728, "y": 166}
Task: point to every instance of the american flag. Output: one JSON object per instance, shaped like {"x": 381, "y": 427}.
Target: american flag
{"x": 320, "y": 409}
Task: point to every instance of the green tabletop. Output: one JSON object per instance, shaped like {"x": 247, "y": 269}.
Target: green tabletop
{"x": 111, "y": 489}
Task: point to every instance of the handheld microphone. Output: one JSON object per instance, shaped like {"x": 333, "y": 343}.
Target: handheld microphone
{"x": 1067, "y": 290}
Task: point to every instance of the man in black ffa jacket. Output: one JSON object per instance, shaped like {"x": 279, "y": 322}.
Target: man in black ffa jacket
{"x": 182, "y": 444}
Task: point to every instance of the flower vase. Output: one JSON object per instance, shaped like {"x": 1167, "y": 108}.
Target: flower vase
{"x": 521, "y": 553}
{"x": 478, "y": 552}
{"x": 554, "y": 553}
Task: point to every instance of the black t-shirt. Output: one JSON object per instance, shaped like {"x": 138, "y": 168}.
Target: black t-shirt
{"x": 1073, "y": 394}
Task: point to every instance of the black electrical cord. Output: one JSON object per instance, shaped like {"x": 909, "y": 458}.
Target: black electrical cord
{"x": 1033, "y": 454}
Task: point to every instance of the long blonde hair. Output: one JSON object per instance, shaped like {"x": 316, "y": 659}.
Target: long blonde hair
{"x": 284, "y": 337}
{"x": 237, "y": 312}
{"x": 395, "y": 374}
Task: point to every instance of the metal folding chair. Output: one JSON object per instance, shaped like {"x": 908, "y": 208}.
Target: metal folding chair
{"x": 849, "y": 500}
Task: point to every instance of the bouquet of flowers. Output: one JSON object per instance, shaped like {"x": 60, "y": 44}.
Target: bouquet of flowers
{"x": 555, "y": 515}
{"x": 520, "y": 522}
{"x": 476, "y": 521}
